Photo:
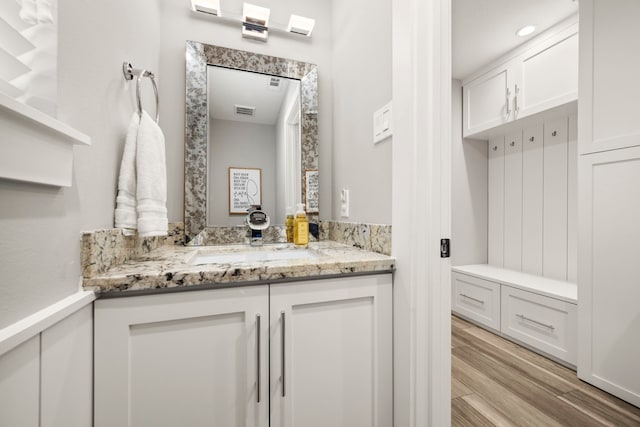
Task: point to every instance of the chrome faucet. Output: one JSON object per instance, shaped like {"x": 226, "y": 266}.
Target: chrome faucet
{"x": 257, "y": 221}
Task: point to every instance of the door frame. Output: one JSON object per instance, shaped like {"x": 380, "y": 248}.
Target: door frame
{"x": 421, "y": 43}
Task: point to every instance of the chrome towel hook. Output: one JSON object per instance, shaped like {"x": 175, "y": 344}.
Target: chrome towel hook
{"x": 129, "y": 72}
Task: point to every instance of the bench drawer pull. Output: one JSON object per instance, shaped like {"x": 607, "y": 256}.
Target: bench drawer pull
{"x": 523, "y": 317}
{"x": 479, "y": 301}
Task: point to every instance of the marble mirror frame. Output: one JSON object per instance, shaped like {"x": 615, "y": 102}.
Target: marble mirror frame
{"x": 198, "y": 57}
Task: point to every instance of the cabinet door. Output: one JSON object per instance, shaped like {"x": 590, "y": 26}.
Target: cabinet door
{"x": 609, "y": 272}
{"x": 487, "y": 101}
{"x": 331, "y": 347}
{"x": 548, "y": 74}
{"x": 183, "y": 359}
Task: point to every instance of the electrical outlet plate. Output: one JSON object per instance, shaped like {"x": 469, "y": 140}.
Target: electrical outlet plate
{"x": 382, "y": 123}
{"x": 344, "y": 203}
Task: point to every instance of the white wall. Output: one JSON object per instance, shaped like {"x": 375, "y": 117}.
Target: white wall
{"x": 362, "y": 84}
{"x": 239, "y": 144}
{"x": 179, "y": 24}
{"x": 469, "y": 159}
{"x": 40, "y": 226}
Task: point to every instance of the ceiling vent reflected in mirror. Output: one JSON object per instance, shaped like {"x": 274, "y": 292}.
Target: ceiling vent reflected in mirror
{"x": 243, "y": 110}
{"x": 274, "y": 83}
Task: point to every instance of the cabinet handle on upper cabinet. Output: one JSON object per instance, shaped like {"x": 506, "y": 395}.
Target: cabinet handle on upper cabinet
{"x": 282, "y": 336}
{"x": 258, "y": 354}
{"x": 523, "y": 317}
{"x": 508, "y": 95}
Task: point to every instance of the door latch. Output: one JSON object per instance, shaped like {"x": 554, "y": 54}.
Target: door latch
{"x": 445, "y": 248}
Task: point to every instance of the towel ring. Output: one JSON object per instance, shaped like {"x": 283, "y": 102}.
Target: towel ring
{"x": 149, "y": 74}
{"x": 129, "y": 72}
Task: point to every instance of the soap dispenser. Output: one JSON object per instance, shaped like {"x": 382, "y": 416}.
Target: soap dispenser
{"x": 301, "y": 227}
{"x": 288, "y": 222}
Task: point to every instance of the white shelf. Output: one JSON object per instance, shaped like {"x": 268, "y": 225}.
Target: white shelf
{"x": 36, "y": 147}
{"x": 557, "y": 289}
{"x": 10, "y": 105}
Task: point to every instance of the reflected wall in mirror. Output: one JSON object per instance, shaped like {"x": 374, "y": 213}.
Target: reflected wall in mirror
{"x": 279, "y": 137}
{"x": 254, "y": 122}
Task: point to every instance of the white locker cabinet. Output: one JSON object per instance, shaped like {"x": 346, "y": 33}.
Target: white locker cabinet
{"x": 539, "y": 76}
{"x": 548, "y": 74}
{"x": 608, "y": 67}
{"x": 609, "y": 272}
{"x": 487, "y": 100}
{"x": 331, "y": 353}
{"x": 476, "y": 299}
{"x": 183, "y": 359}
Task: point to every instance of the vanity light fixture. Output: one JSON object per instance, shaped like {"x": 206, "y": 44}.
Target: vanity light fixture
{"x": 301, "y": 25}
{"x": 212, "y": 7}
{"x": 526, "y": 30}
{"x": 255, "y": 22}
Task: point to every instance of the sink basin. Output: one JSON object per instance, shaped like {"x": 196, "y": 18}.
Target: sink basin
{"x": 252, "y": 256}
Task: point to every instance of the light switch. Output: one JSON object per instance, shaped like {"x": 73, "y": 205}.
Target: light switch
{"x": 382, "y": 123}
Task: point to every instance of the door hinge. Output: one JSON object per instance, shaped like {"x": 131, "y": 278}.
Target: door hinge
{"x": 445, "y": 248}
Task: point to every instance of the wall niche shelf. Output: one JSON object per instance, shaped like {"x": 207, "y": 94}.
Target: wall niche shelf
{"x": 36, "y": 148}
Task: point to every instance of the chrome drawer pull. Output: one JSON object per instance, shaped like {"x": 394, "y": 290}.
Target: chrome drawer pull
{"x": 479, "y": 301}
{"x": 282, "y": 349}
{"x": 536, "y": 322}
{"x": 258, "y": 356}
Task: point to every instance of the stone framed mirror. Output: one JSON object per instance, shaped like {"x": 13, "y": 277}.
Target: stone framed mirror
{"x": 202, "y": 185}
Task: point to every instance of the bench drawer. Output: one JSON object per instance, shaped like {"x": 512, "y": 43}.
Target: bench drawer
{"x": 544, "y": 323}
{"x": 476, "y": 299}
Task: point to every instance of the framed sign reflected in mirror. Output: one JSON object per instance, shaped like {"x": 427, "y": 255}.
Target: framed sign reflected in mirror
{"x": 245, "y": 189}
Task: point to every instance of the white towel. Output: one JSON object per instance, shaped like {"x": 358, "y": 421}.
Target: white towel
{"x": 151, "y": 170}
{"x": 29, "y": 11}
{"x": 126, "y": 201}
{"x": 45, "y": 11}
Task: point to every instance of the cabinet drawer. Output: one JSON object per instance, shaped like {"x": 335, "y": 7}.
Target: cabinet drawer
{"x": 542, "y": 322}
{"x": 477, "y": 299}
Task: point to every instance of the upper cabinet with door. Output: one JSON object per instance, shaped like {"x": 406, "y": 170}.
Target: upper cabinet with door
{"x": 538, "y": 76}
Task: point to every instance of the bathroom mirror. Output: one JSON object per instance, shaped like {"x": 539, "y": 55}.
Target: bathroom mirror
{"x": 228, "y": 125}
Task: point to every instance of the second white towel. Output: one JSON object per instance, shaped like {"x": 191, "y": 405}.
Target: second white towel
{"x": 151, "y": 168}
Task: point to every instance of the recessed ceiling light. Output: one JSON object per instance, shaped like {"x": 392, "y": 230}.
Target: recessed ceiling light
{"x": 526, "y": 30}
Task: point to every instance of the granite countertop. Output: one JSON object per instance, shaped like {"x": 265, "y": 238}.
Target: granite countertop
{"x": 174, "y": 267}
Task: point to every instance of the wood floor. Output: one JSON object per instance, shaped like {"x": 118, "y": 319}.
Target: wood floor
{"x": 498, "y": 383}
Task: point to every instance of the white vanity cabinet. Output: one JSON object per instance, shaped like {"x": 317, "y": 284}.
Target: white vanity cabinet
{"x": 203, "y": 357}
{"x": 331, "y": 353}
{"x": 183, "y": 359}
{"x": 541, "y": 75}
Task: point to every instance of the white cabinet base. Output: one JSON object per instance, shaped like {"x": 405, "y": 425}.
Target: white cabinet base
{"x": 536, "y": 312}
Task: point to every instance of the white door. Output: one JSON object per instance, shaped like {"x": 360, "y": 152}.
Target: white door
{"x": 331, "y": 353}
{"x": 186, "y": 359}
{"x": 487, "y": 101}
